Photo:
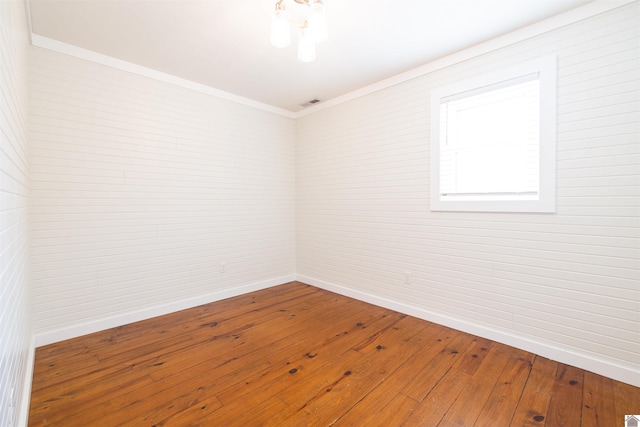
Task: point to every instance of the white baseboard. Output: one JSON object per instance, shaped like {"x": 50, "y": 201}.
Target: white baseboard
{"x": 74, "y": 331}
{"x": 599, "y": 366}
{"x": 603, "y": 367}
{"x": 25, "y": 401}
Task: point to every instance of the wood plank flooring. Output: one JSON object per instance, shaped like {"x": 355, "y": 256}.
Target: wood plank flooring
{"x": 295, "y": 355}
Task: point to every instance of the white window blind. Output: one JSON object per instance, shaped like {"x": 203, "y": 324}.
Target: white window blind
{"x": 493, "y": 140}
{"x": 489, "y": 141}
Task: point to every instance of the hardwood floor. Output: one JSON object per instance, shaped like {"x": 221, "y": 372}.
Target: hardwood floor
{"x": 295, "y": 355}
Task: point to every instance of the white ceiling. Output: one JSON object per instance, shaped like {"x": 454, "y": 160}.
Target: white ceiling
{"x": 225, "y": 44}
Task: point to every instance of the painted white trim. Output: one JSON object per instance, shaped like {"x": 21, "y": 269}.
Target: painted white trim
{"x": 98, "y": 58}
{"x": 545, "y": 68}
{"x": 599, "y": 366}
{"x": 148, "y": 313}
{"x": 23, "y": 415}
{"x": 591, "y": 9}
{"x": 27, "y": 11}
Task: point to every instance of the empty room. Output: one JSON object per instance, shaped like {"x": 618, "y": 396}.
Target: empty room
{"x": 320, "y": 212}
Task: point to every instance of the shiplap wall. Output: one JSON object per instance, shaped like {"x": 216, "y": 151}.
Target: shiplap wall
{"x": 15, "y": 330}
{"x": 565, "y": 285}
{"x": 141, "y": 189}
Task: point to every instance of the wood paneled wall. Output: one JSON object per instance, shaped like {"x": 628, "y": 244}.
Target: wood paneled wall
{"x": 145, "y": 193}
{"x": 15, "y": 329}
{"x": 564, "y": 285}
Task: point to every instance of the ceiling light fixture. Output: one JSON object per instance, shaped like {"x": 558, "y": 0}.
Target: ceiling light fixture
{"x": 310, "y": 18}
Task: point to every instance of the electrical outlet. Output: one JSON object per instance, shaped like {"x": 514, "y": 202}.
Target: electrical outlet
{"x": 407, "y": 277}
{"x": 223, "y": 267}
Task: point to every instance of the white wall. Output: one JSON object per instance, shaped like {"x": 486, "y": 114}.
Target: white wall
{"x": 565, "y": 285}
{"x": 15, "y": 333}
{"x": 140, "y": 189}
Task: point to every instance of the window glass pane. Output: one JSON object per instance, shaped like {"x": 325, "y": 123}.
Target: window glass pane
{"x": 489, "y": 140}
{"x": 493, "y": 140}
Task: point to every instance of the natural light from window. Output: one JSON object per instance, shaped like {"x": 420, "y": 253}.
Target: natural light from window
{"x": 490, "y": 139}
{"x": 489, "y": 142}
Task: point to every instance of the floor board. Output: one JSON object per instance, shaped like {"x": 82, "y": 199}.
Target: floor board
{"x": 295, "y": 355}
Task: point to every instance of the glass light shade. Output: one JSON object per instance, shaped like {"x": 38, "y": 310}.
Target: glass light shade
{"x": 318, "y": 23}
{"x": 280, "y": 31}
{"x": 306, "y": 46}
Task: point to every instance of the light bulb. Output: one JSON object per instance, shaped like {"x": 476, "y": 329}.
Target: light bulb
{"x": 306, "y": 46}
{"x": 280, "y": 32}
{"x": 318, "y": 22}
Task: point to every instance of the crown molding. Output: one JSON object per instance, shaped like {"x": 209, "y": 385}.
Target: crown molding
{"x": 590, "y": 9}
{"x": 98, "y": 58}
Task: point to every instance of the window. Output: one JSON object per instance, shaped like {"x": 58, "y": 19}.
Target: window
{"x": 493, "y": 141}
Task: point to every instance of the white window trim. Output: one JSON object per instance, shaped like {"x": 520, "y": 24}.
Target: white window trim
{"x": 546, "y": 201}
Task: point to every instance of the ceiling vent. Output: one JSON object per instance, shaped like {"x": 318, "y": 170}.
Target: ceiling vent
{"x": 310, "y": 103}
